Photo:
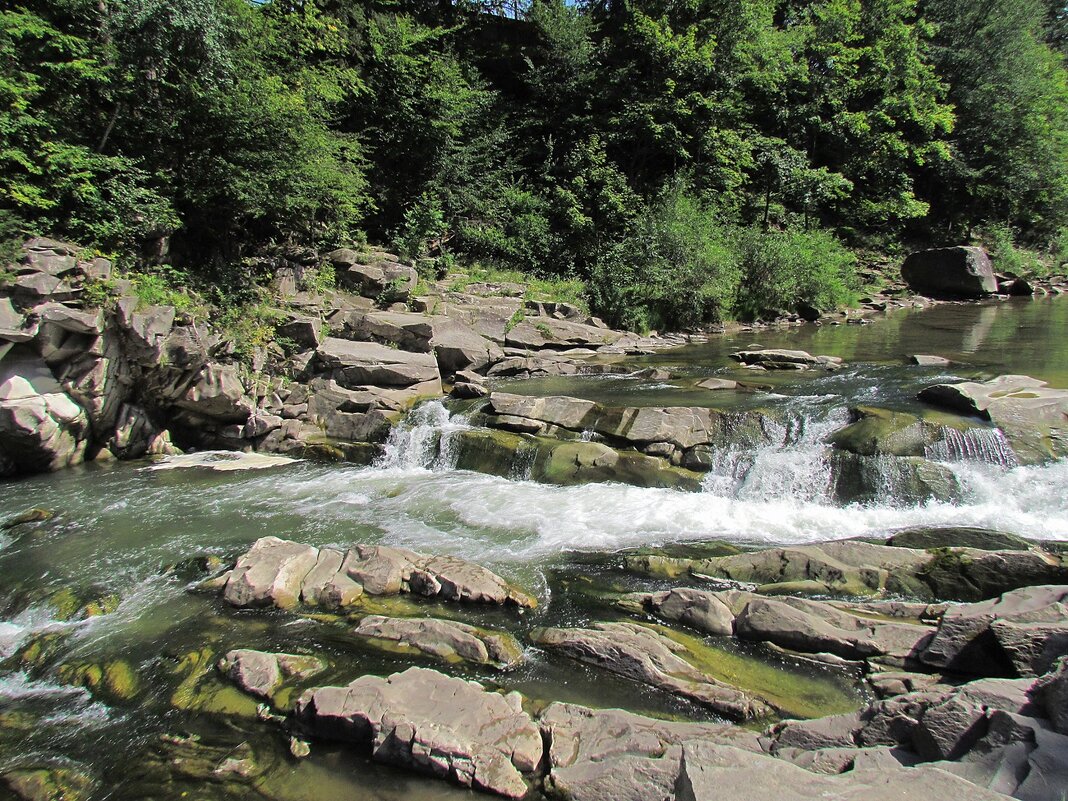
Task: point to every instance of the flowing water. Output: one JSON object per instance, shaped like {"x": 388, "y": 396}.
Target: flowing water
{"x": 127, "y": 537}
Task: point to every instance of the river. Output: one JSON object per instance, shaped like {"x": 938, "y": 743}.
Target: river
{"x": 128, "y": 531}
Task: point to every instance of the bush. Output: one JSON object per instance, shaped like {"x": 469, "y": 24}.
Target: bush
{"x": 1000, "y": 242}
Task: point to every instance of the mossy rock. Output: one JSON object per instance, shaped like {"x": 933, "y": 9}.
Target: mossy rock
{"x": 909, "y": 479}
{"x": 979, "y": 538}
{"x": 26, "y": 518}
{"x": 40, "y": 650}
{"x": 114, "y": 681}
{"x": 72, "y": 605}
{"x": 882, "y": 432}
{"x": 201, "y": 689}
{"x": 48, "y": 784}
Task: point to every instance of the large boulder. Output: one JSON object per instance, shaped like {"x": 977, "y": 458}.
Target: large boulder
{"x": 431, "y": 723}
{"x": 954, "y": 271}
{"x": 448, "y": 640}
{"x": 218, "y": 393}
{"x": 646, "y": 656}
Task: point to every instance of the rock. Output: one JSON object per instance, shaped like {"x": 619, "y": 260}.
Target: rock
{"x": 26, "y": 517}
{"x": 425, "y": 721}
{"x": 709, "y": 772}
{"x": 447, "y": 640}
{"x": 13, "y": 325}
{"x": 1022, "y": 633}
{"x": 270, "y": 574}
{"x": 777, "y": 359}
{"x": 355, "y": 364}
{"x": 376, "y": 275}
{"x": 538, "y": 333}
{"x": 1051, "y": 692}
{"x": 146, "y": 328}
{"x": 136, "y": 434}
{"x": 953, "y": 271}
{"x": 959, "y": 537}
{"x": 469, "y": 391}
{"x": 928, "y": 361}
{"x": 644, "y": 655}
{"x": 459, "y": 347}
{"x": 41, "y": 427}
{"x": 705, "y": 611}
{"x": 717, "y": 384}
{"x": 279, "y": 572}
{"x": 596, "y": 754}
{"x": 1032, "y": 415}
{"x": 262, "y": 674}
{"x": 74, "y": 321}
{"x": 47, "y": 784}
{"x": 302, "y": 330}
{"x": 218, "y": 393}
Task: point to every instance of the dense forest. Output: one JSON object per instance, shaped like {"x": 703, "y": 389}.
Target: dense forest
{"x": 685, "y": 160}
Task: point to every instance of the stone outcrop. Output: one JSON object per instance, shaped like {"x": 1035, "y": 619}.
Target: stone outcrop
{"x": 373, "y": 274}
{"x": 431, "y": 723}
{"x": 447, "y": 640}
{"x": 285, "y": 574}
{"x": 855, "y": 568}
{"x": 644, "y": 655}
{"x": 954, "y": 272}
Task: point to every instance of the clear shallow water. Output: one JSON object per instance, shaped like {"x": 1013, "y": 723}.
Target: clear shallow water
{"x": 119, "y": 527}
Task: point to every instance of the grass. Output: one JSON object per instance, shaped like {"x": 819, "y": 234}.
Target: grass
{"x": 552, "y": 290}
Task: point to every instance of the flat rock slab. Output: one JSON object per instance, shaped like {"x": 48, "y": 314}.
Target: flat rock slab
{"x": 711, "y": 772}
{"x": 598, "y": 754}
{"x": 371, "y": 364}
{"x": 432, "y": 723}
{"x": 283, "y": 573}
{"x": 644, "y": 655}
{"x": 448, "y": 640}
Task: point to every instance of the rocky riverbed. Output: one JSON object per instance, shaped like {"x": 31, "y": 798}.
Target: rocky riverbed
{"x": 779, "y": 562}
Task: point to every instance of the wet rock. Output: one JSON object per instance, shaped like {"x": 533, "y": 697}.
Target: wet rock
{"x": 26, "y": 517}
{"x": 709, "y": 612}
{"x": 954, "y": 271}
{"x": 280, "y": 572}
{"x": 270, "y": 574}
{"x": 1030, "y": 413}
{"x": 960, "y": 537}
{"x": 429, "y": 722}
{"x": 201, "y": 689}
{"x": 924, "y": 360}
{"x": 447, "y": 640}
{"x": 881, "y": 432}
{"x": 643, "y": 654}
{"x": 596, "y": 754}
{"x": 48, "y": 784}
{"x": 114, "y": 681}
{"x": 778, "y": 359}
{"x": 262, "y": 674}
{"x": 1022, "y": 633}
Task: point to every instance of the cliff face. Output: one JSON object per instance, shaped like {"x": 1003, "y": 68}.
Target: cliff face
{"x": 88, "y": 370}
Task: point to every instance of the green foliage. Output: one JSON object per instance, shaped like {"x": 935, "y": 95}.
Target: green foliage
{"x": 249, "y": 327}
{"x": 320, "y": 280}
{"x": 1007, "y": 257}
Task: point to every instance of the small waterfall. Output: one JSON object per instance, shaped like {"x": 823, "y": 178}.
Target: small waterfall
{"x": 425, "y": 439}
{"x": 986, "y": 445}
{"x": 793, "y": 465}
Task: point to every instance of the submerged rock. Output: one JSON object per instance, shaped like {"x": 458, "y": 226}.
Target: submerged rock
{"x": 643, "y": 654}
{"x": 48, "y": 784}
{"x": 443, "y": 639}
{"x": 431, "y": 723}
{"x": 283, "y": 573}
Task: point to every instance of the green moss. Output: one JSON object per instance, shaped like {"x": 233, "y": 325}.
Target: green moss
{"x": 48, "y": 784}
{"x": 113, "y": 681}
{"x": 790, "y": 691}
{"x": 201, "y": 690}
